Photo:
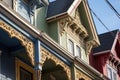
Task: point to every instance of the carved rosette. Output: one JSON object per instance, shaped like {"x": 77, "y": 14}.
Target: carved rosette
{"x": 47, "y": 55}
{"x": 80, "y": 75}
{"x": 24, "y": 41}
{"x": 63, "y": 23}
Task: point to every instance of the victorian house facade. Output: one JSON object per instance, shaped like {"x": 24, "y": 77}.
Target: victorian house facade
{"x": 46, "y": 40}
{"x": 106, "y": 58}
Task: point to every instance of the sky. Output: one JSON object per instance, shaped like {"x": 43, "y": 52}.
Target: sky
{"x": 106, "y": 14}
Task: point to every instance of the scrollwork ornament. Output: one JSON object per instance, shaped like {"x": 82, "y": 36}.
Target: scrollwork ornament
{"x": 47, "y": 55}
{"x": 80, "y": 75}
{"x": 24, "y": 41}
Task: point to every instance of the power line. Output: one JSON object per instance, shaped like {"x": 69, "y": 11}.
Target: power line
{"x": 114, "y": 10}
{"x": 101, "y": 21}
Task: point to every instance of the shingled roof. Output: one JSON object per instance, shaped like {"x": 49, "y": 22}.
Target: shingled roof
{"x": 106, "y": 41}
{"x": 58, "y": 7}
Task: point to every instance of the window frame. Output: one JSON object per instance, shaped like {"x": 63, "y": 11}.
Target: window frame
{"x": 19, "y": 64}
{"x": 74, "y": 46}
{"x": 113, "y": 71}
{"x": 78, "y": 53}
{"x": 30, "y": 12}
{"x": 68, "y": 46}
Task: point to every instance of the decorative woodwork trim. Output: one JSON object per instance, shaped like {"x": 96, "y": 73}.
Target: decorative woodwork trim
{"x": 63, "y": 23}
{"x": 74, "y": 24}
{"x": 89, "y": 46}
{"x": 19, "y": 64}
{"x": 24, "y": 41}
{"x": 80, "y": 75}
{"x": 47, "y": 55}
{"x": 15, "y": 5}
{"x": 91, "y": 23}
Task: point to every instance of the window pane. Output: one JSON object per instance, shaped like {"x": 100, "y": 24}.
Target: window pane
{"x": 25, "y": 75}
{"x": 109, "y": 73}
{"x": 78, "y": 53}
{"x": 23, "y": 9}
{"x": 70, "y": 46}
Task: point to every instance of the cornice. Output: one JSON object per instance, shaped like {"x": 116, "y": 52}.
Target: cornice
{"x": 74, "y": 24}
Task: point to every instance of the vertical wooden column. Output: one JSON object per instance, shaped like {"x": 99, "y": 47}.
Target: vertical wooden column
{"x": 38, "y": 65}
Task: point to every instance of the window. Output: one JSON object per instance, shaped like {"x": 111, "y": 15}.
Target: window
{"x": 25, "y": 75}
{"x": 112, "y": 74}
{"x": 70, "y": 46}
{"x": 24, "y": 71}
{"x": 78, "y": 53}
{"x": 109, "y": 73}
{"x": 24, "y": 8}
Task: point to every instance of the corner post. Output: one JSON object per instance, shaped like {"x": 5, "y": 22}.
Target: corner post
{"x": 38, "y": 65}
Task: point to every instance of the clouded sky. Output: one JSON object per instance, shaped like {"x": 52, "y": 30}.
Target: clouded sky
{"x": 106, "y": 14}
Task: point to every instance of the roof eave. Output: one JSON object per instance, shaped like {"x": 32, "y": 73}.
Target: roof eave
{"x": 102, "y": 52}
{"x": 72, "y": 8}
{"x": 56, "y": 17}
{"x": 91, "y": 23}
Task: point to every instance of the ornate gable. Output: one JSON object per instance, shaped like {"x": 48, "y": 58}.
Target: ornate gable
{"x": 75, "y": 24}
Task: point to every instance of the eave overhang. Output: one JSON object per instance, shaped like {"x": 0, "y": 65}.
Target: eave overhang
{"x": 91, "y": 23}
{"x": 102, "y": 52}
{"x": 72, "y": 8}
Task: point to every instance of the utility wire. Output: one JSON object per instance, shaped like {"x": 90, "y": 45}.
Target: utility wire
{"x": 101, "y": 22}
{"x": 99, "y": 19}
{"x": 115, "y": 11}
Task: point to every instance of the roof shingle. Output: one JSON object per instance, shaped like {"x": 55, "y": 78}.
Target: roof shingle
{"x": 106, "y": 41}
{"x": 58, "y": 7}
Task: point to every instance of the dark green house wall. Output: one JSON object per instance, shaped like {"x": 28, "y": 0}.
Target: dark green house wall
{"x": 84, "y": 21}
{"x": 53, "y": 31}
